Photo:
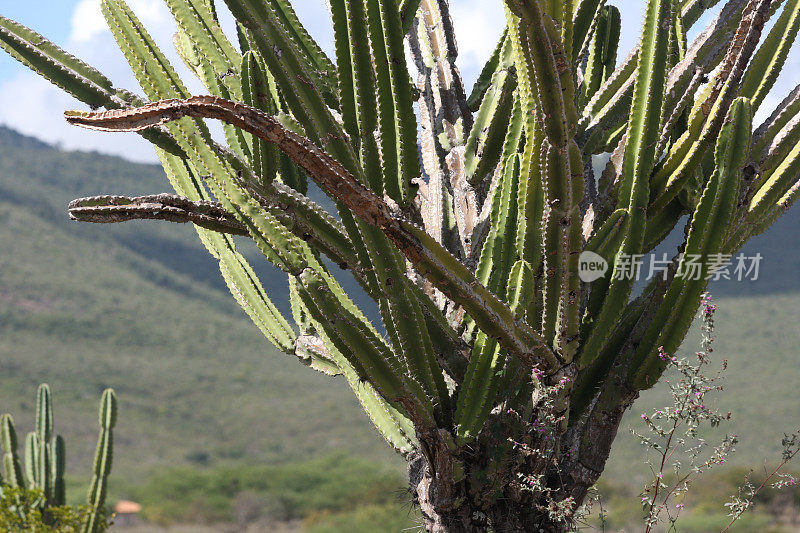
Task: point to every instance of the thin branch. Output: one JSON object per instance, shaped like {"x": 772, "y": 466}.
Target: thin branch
{"x": 787, "y": 457}
{"x": 111, "y": 209}
{"x": 428, "y": 257}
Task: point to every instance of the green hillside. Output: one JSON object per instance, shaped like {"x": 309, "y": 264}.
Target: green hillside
{"x": 759, "y": 336}
{"x": 140, "y": 307}
{"x": 84, "y": 307}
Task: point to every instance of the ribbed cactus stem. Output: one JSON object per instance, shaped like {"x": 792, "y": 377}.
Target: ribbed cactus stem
{"x": 32, "y": 459}
{"x": 258, "y": 94}
{"x": 12, "y": 470}
{"x": 44, "y": 433}
{"x": 96, "y": 497}
{"x": 706, "y": 237}
{"x": 603, "y": 55}
{"x": 639, "y": 159}
{"x": 58, "y": 460}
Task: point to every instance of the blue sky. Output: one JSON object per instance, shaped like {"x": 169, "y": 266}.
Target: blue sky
{"x": 29, "y": 104}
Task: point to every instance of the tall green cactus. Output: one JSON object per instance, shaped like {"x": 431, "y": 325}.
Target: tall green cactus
{"x": 465, "y": 222}
{"x": 96, "y": 497}
{"x": 12, "y": 471}
{"x": 602, "y": 59}
{"x": 45, "y": 460}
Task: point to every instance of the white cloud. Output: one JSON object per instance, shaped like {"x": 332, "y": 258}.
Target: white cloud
{"x": 87, "y": 21}
{"x": 91, "y": 40}
{"x": 478, "y": 25}
{"x": 41, "y": 105}
{"x": 40, "y": 112}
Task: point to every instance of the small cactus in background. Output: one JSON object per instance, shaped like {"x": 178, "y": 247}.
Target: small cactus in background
{"x": 463, "y": 221}
{"x": 45, "y": 460}
{"x": 96, "y": 497}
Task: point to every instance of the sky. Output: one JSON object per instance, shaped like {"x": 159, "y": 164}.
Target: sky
{"x": 32, "y": 106}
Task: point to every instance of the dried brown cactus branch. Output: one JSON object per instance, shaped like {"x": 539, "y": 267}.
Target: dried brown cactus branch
{"x": 428, "y": 257}
{"x": 109, "y": 209}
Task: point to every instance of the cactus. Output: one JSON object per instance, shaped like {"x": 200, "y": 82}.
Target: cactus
{"x": 603, "y": 57}
{"x": 12, "y": 471}
{"x": 468, "y": 235}
{"x": 45, "y": 461}
{"x": 96, "y": 497}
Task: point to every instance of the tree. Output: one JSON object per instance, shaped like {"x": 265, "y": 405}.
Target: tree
{"x": 498, "y": 371}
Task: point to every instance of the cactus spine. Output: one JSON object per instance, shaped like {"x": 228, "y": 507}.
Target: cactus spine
{"x": 463, "y": 222}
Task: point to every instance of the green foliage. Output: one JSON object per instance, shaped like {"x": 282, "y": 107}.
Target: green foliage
{"x": 366, "y": 519}
{"x": 210, "y": 348}
{"x": 702, "y": 507}
{"x": 308, "y": 490}
{"x": 470, "y": 253}
{"x": 20, "y": 511}
{"x": 157, "y": 352}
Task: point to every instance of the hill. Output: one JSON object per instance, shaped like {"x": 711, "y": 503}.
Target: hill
{"x": 140, "y": 307}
